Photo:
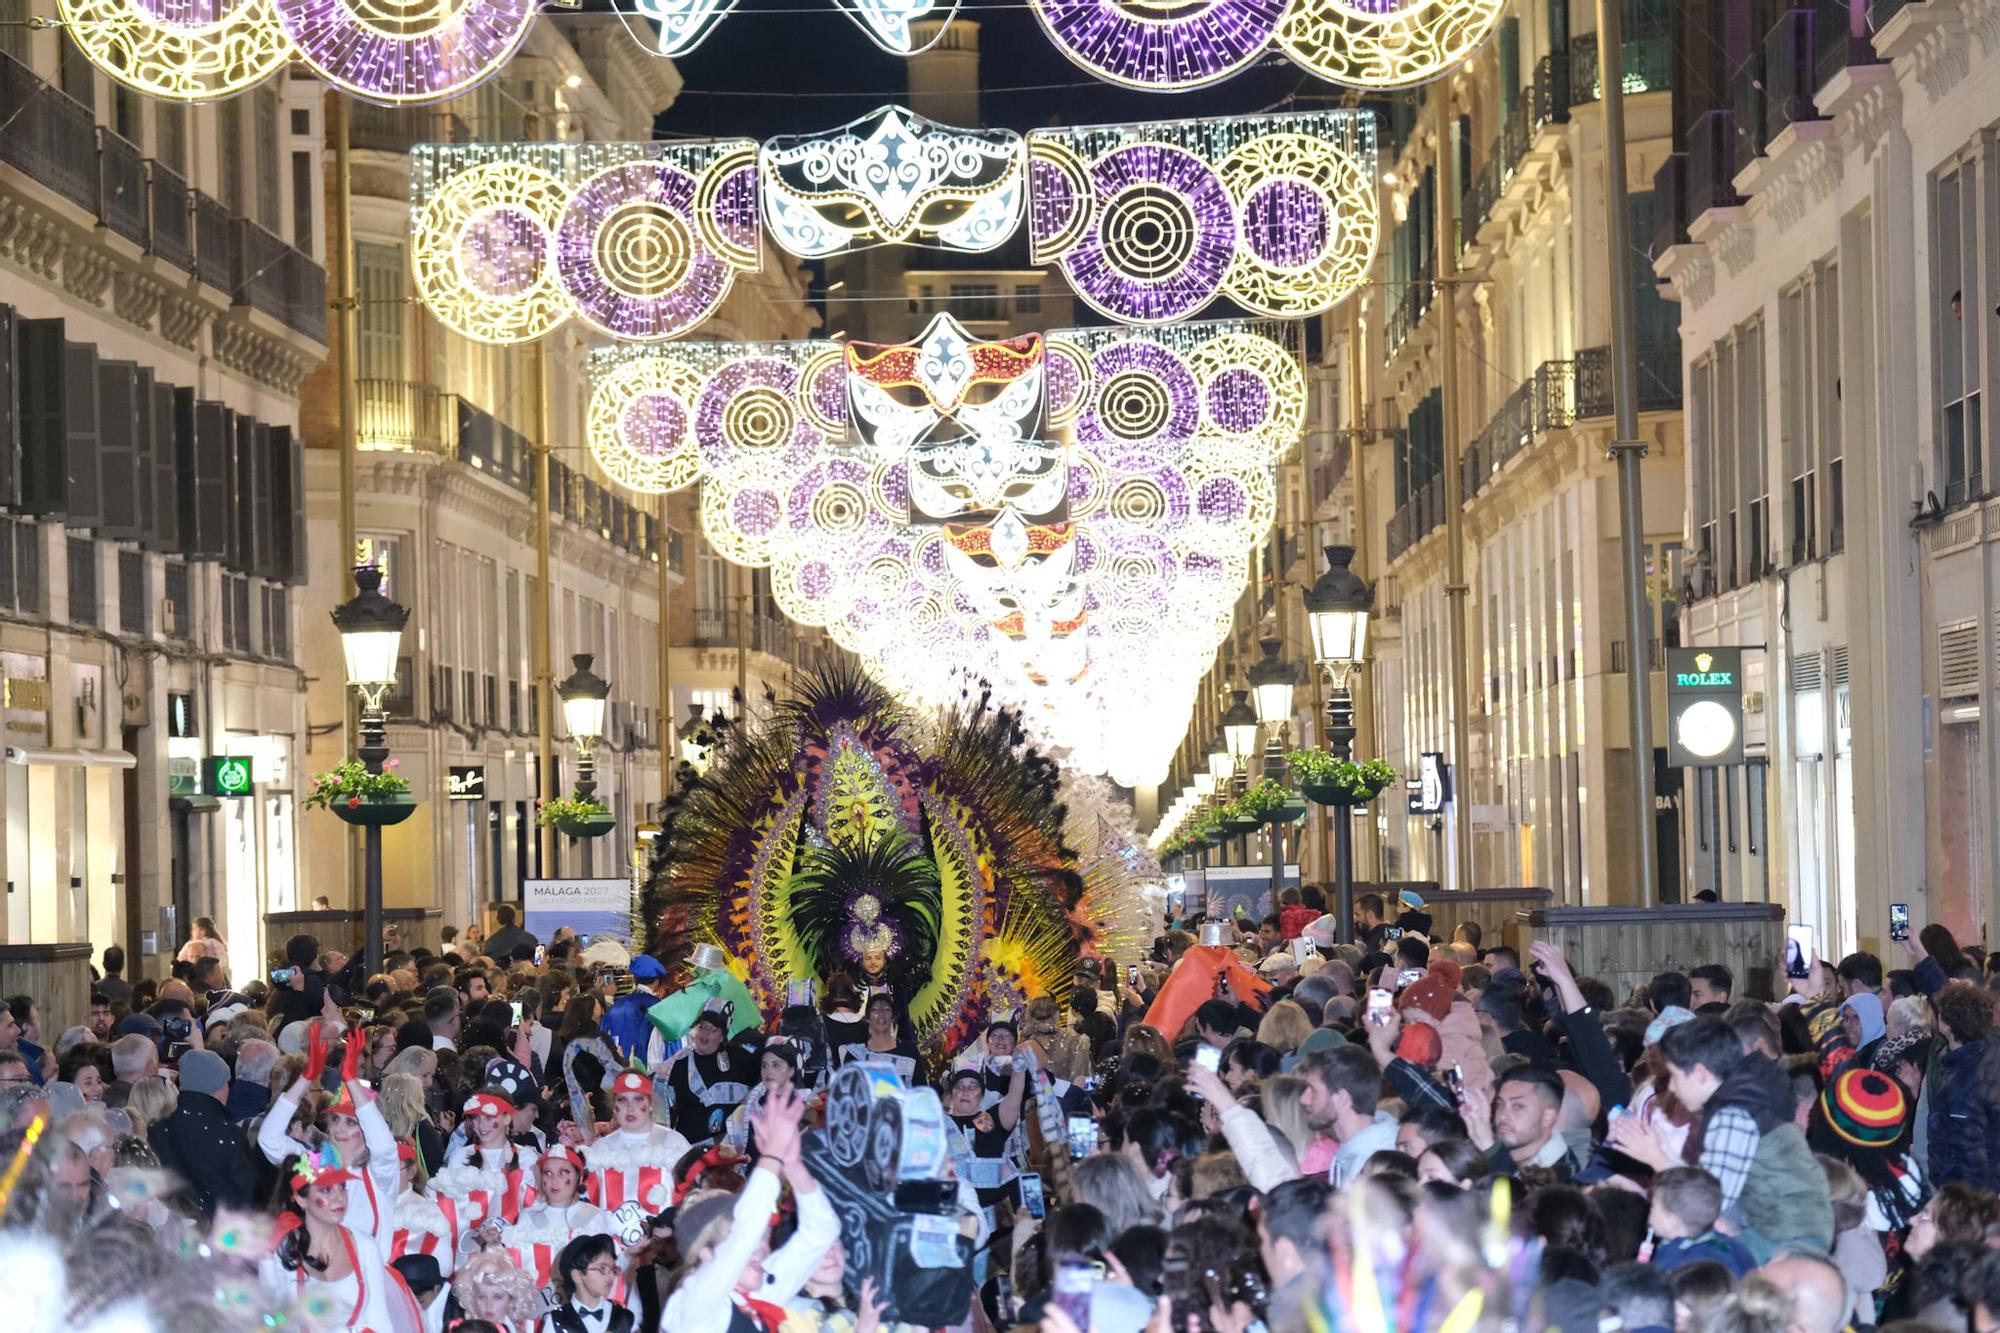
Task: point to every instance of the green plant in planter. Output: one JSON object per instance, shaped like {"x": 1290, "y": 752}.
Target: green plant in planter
{"x": 569, "y": 811}
{"x": 351, "y": 785}
{"x": 1329, "y": 780}
{"x": 1264, "y": 796}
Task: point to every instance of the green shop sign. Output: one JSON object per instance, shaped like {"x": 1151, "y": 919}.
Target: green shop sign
{"x": 228, "y": 775}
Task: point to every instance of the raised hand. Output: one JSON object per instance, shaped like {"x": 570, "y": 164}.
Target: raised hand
{"x": 868, "y": 1312}
{"x": 315, "y": 1057}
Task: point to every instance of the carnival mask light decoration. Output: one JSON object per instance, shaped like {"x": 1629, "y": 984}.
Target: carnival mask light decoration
{"x": 893, "y": 177}
{"x": 676, "y": 27}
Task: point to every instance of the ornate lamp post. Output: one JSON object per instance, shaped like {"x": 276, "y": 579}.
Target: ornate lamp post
{"x": 1337, "y": 610}
{"x": 371, "y": 639}
{"x": 583, "y": 694}
{"x": 696, "y": 739}
{"x": 1271, "y": 683}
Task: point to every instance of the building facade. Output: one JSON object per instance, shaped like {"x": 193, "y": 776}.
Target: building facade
{"x": 1838, "y": 271}
{"x": 161, "y": 301}
{"x": 445, "y": 501}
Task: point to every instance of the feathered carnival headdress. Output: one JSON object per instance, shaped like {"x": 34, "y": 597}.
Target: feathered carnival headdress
{"x": 845, "y": 826}
{"x": 321, "y": 1166}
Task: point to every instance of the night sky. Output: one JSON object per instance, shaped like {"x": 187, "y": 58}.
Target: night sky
{"x": 770, "y": 69}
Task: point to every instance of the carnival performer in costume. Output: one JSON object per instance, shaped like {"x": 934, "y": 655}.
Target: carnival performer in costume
{"x": 488, "y": 1174}
{"x": 319, "y": 1260}
{"x": 559, "y": 1215}
{"x": 885, "y": 1043}
{"x": 590, "y": 1273}
{"x": 982, "y": 1140}
{"x": 635, "y": 1161}
{"x": 489, "y": 1286}
{"x": 706, "y": 1079}
{"x": 354, "y": 1126}
{"x": 625, "y": 1024}
{"x": 424, "y": 1223}
{"x": 780, "y": 1066}
{"x": 731, "y": 1279}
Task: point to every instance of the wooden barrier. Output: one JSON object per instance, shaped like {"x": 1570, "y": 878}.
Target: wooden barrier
{"x": 1628, "y": 946}
{"x": 1497, "y": 911}
{"x": 57, "y": 975}
{"x": 342, "y": 930}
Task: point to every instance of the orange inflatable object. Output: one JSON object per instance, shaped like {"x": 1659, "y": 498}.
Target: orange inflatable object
{"x": 1193, "y": 981}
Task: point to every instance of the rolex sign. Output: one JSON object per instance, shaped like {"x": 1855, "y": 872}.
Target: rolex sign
{"x": 1704, "y": 706}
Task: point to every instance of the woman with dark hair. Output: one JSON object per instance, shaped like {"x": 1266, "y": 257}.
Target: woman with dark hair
{"x": 579, "y": 1023}
{"x": 1452, "y": 1161}
{"x": 1943, "y": 949}
{"x": 87, "y": 1069}
{"x": 318, "y": 1256}
{"x": 1153, "y": 1144}
{"x": 886, "y": 1043}
{"x": 1564, "y": 1217}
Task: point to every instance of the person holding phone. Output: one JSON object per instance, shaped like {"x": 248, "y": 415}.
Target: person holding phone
{"x": 979, "y": 1137}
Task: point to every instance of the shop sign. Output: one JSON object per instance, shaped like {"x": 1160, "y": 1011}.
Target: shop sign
{"x": 466, "y": 782}
{"x": 1704, "y": 706}
{"x": 229, "y": 775}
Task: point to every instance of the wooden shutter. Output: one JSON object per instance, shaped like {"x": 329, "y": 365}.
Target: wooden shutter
{"x": 265, "y": 557}
{"x": 117, "y": 448}
{"x": 10, "y": 436}
{"x": 43, "y": 483}
{"x": 288, "y": 492}
{"x": 166, "y": 526}
{"x": 143, "y": 463}
{"x": 242, "y": 496}
{"x": 81, "y": 417}
{"x": 208, "y": 539}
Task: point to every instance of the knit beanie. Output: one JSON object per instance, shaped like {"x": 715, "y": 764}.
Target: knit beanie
{"x": 1865, "y": 1108}
{"x": 1434, "y": 991}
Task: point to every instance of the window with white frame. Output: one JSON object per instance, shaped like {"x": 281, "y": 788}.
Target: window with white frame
{"x": 1965, "y": 245}
{"x": 1809, "y": 408}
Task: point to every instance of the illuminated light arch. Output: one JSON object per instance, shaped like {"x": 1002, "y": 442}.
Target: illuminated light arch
{"x": 181, "y": 50}
{"x": 1366, "y": 44}
{"x": 1252, "y": 391}
{"x": 640, "y": 424}
{"x": 1307, "y": 223}
{"x": 1161, "y": 44}
{"x": 406, "y": 50}
{"x": 482, "y": 252}
{"x": 679, "y": 26}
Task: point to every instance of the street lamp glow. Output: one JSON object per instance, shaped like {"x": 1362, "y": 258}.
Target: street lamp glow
{"x": 1337, "y": 609}
{"x": 583, "y": 696}
{"x": 1239, "y": 729}
{"x": 1204, "y": 784}
{"x": 371, "y": 635}
{"x": 1220, "y": 765}
{"x": 1271, "y": 684}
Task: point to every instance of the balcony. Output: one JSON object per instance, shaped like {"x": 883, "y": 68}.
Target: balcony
{"x": 279, "y": 280}
{"x": 399, "y": 416}
{"x": 1670, "y": 206}
{"x": 1790, "y": 78}
{"x": 1711, "y": 163}
{"x": 1659, "y": 380}
{"x": 122, "y": 203}
{"x": 215, "y": 243}
{"x": 1648, "y": 49}
{"x": 1541, "y": 404}
{"x": 169, "y": 217}
{"x": 1410, "y": 311}
{"x": 396, "y": 129}
{"x": 1417, "y": 517}
{"x": 1747, "y": 107}
{"x": 49, "y": 135}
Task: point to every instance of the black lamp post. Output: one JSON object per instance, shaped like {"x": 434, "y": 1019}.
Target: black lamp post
{"x": 1271, "y": 683}
{"x": 1337, "y": 609}
{"x": 583, "y": 693}
{"x": 371, "y": 637}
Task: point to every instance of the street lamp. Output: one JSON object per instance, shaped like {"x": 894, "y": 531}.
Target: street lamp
{"x": 1272, "y": 681}
{"x": 1337, "y": 609}
{"x": 583, "y": 695}
{"x": 371, "y": 639}
{"x": 1239, "y": 732}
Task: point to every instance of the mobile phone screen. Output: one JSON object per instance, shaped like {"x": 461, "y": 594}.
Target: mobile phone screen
{"x": 1799, "y": 950}
{"x": 1031, "y": 1196}
{"x": 1390, "y": 934}
{"x": 1899, "y": 921}
{"x": 516, "y": 1006}
{"x": 1208, "y": 1058}
{"x": 1132, "y": 975}
{"x": 1082, "y": 1137}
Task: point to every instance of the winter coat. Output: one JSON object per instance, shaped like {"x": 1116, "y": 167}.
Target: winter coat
{"x": 1965, "y": 1117}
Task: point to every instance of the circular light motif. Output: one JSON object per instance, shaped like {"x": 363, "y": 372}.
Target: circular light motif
{"x": 1385, "y": 43}
{"x": 405, "y": 50}
{"x": 638, "y": 425}
{"x": 183, "y": 50}
{"x": 1253, "y": 392}
{"x": 1161, "y": 43}
{"x": 480, "y": 253}
{"x": 1161, "y": 241}
{"x": 749, "y": 422}
{"x": 740, "y": 521}
{"x": 1307, "y": 218}
{"x": 1705, "y": 729}
{"x": 630, "y": 256}
{"x": 1143, "y": 392}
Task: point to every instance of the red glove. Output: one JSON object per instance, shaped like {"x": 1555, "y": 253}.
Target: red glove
{"x": 350, "y": 1062}
{"x": 315, "y": 1055}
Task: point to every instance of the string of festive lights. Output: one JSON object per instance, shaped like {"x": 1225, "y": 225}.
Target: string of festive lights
{"x": 1150, "y": 223}
{"x": 1068, "y": 515}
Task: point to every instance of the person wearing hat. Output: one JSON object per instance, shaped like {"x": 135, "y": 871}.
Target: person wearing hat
{"x": 625, "y": 1024}
{"x": 488, "y": 1174}
{"x": 425, "y": 1277}
{"x": 635, "y": 1160}
{"x": 558, "y": 1215}
{"x": 705, "y": 1078}
{"x": 589, "y": 1269}
{"x": 1863, "y": 1118}
{"x": 321, "y": 1261}
{"x": 353, "y": 1124}
{"x": 200, "y": 1143}
{"x": 982, "y": 1137}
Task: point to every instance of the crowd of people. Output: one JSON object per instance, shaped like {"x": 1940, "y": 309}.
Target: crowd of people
{"x": 1252, "y": 1127}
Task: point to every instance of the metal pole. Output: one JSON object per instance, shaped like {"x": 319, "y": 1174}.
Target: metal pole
{"x": 1340, "y": 739}
{"x": 1628, "y": 449}
{"x": 544, "y": 603}
{"x": 340, "y": 259}
{"x": 1361, "y": 416}
{"x": 666, "y": 649}
{"x": 741, "y": 577}
{"x": 374, "y": 749}
{"x": 1456, "y": 589}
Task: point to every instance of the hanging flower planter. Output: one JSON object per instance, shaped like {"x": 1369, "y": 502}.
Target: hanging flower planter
{"x": 381, "y": 811}
{"x": 576, "y": 818}
{"x": 1325, "y": 780}
{"x": 360, "y": 797}
{"x": 1290, "y": 812}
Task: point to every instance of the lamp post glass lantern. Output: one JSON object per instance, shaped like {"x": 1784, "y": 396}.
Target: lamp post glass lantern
{"x": 583, "y": 695}
{"x": 371, "y": 640}
{"x": 1337, "y": 610}
{"x": 1239, "y": 731}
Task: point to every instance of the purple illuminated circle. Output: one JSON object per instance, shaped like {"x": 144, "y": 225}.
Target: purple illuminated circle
{"x": 1238, "y": 400}
{"x": 631, "y": 257}
{"x": 1052, "y": 201}
{"x": 183, "y": 13}
{"x": 1162, "y": 239}
{"x": 417, "y": 52}
{"x": 747, "y": 414}
{"x": 1222, "y": 499}
{"x": 755, "y": 513}
{"x": 1061, "y": 382}
{"x": 1286, "y": 223}
{"x": 502, "y": 251}
{"x": 1143, "y": 393}
{"x": 654, "y": 426}
{"x": 1161, "y": 46}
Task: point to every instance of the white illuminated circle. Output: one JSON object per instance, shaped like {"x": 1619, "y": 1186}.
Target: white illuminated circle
{"x": 1705, "y": 729}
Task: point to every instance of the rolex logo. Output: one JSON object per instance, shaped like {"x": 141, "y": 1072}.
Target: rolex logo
{"x": 1702, "y": 662}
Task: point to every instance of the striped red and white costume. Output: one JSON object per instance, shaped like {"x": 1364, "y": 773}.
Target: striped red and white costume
{"x": 626, "y": 1166}
{"x": 538, "y": 1238}
{"x": 487, "y": 1194}
{"x": 426, "y": 1225}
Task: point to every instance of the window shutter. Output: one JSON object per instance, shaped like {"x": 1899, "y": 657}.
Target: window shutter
{"x": 242, "y": 495}
{"x": 10, "y": 437}
{"x": 288, "y": 505}
{"x": 144, "y": 466}
{"x": 208, "y": 539}
{"x": 117, "y": 448}
{"x": 166, "y": 527}
{"x": 81, "y": 416}
{"x": 269, "y": 552}
{"x": 43, "y": 481}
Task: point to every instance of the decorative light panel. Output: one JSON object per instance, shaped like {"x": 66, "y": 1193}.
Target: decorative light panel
{"x": 1090, "y": 577}
{"x": 642, "y": 240}
{"x": 1161, "y": 45}
{"x": 389, "y": 51}
{"x": 676, "y": 27}
{"x": 1152, "y": 222}
{"x": 893, "y": 177}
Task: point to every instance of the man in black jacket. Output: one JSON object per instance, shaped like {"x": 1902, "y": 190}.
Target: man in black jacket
{"x": 200, "y": 1143}
{"x": 506, "y": 940}
{"x": 303, "y": 992}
